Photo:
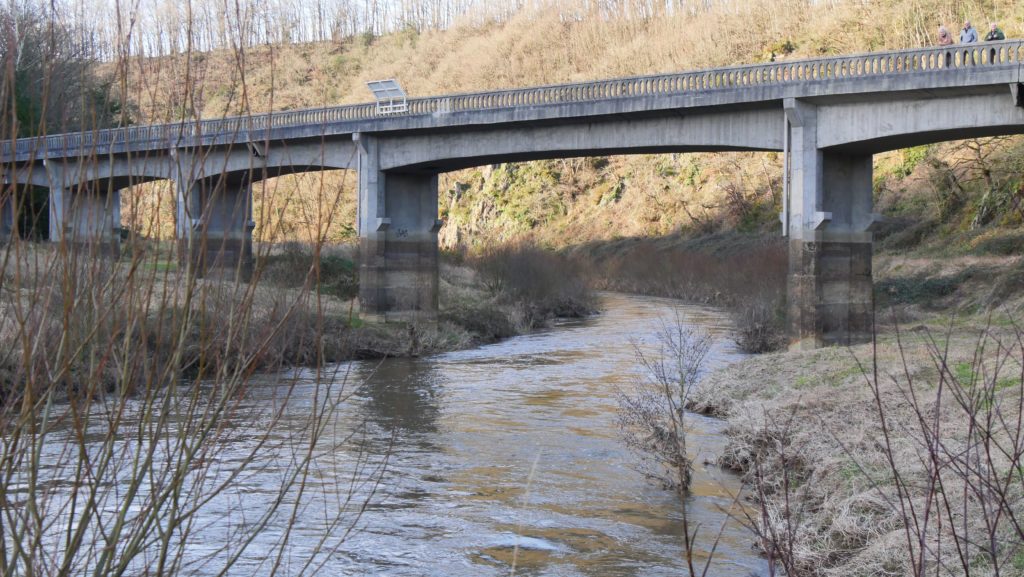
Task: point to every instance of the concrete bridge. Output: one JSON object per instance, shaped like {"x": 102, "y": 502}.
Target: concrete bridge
{"x": 828, "y": 115}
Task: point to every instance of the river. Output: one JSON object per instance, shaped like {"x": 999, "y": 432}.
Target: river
{"x": 458, "y": 494}
{"x": 500, "y": 455}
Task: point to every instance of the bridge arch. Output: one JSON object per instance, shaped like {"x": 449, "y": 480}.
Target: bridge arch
{"x": 739, "y": 130}
{"x": 877, "y": 125}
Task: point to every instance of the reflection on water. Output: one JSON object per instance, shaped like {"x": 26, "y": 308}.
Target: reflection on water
{"x": 498, "y": 455}
{"x": 401, "y": 394}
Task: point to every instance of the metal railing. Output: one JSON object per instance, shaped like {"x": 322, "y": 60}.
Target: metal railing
{"x": 872, "y": 64}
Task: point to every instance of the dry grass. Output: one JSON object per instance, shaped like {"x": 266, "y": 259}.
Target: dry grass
{"x": 850, "y": 461}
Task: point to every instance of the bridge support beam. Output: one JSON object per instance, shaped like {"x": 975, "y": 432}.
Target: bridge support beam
{"x": 830, "y": 291}
{"x": 398, "y": 225}
{"x": 87, "y": 217}
{"x": 214, "y": 226}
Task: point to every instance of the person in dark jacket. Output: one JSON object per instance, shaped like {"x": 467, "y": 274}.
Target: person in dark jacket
{"x": 994, "y": 33}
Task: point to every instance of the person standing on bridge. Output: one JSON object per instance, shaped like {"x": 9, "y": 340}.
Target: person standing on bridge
{"x": 945, "y": 38}
{"x": 994, "y": 33}
{"x": 968, "y": 35}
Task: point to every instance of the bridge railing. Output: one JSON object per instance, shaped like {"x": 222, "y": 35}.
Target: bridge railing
{"x": 897, "y": 62}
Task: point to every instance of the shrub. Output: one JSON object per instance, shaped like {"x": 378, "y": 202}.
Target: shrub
{"x": 544, "y": 283}
{"x": 744, "y": 273}
{"x": 293, "y": 266}
{"x": 760, "y": 325}
{"x": 651, "y": 416}
{"x": 1007, "y": 244}
{"x": 1009, "y": 283}
{"x": 919, "y": 289}
{"x": 486, "y": 321}
{"x": 125, "y": 389}
{"x": 902, "y": 234}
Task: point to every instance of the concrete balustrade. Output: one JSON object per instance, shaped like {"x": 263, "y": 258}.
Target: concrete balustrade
{"x": 828, "y": 115}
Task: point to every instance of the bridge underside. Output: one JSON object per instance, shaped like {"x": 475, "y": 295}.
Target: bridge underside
{"x": 830, "y": 277}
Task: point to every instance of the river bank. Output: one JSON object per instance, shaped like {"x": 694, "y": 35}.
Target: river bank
{"x": 805, "y": 429}
{"x": 75, "y": 321}
{"x": 854, "y": 454}
{"x": 898, "y": 457}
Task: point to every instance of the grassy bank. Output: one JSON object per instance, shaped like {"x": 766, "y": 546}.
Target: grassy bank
{"x": 903, "y": 459}
{"x": 69, "y": 308}
{"x": 900, "y": 457}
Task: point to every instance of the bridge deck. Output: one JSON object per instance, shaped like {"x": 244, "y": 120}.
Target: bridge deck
{"x": 923, "y": 69}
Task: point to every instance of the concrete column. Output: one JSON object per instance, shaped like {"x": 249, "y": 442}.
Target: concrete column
{"x": 398, "y": 225}
{"x": 6, "y": 215}
{"x": 830, "y": 289}
{"x": 214, "y": 225}
{"x": 86, "y": 217}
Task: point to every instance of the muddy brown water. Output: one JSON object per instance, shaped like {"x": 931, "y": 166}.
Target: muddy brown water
{"x": 498, "y": 456}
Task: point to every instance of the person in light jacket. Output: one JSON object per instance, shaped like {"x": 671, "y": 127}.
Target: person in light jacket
{"x": 968, "y": 34}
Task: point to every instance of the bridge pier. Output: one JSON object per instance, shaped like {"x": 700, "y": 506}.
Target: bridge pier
{"x": 214, "y": 226}
{"x": 6, "y": 215}
{"x": 87, "y": 217}
{"x": 830, "y": 291}
{"x": 398, "y": 226}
